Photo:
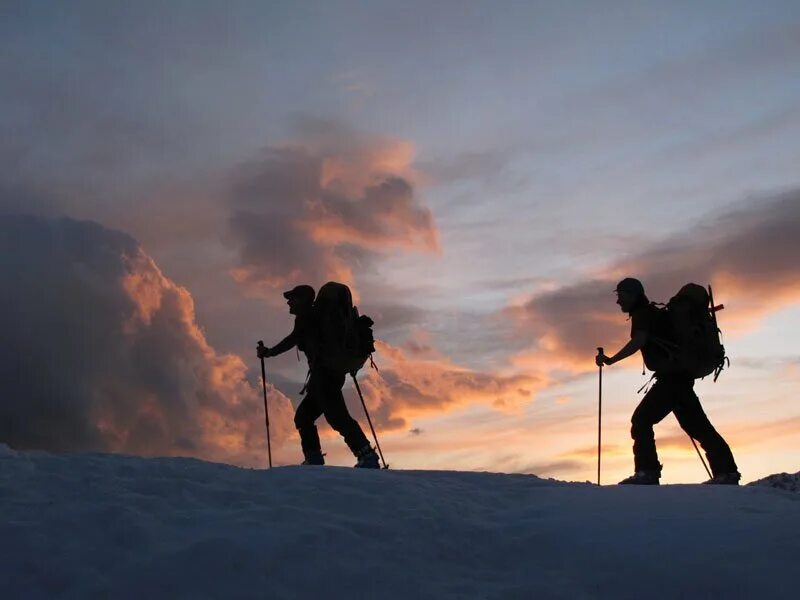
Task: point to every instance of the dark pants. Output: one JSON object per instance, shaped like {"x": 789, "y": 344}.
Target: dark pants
{"x": 675, "y": 393}
{"x": 324, "y": 397}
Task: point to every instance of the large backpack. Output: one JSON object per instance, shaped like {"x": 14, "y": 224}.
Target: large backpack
{"x": 694, "y": 346}
{"x": 346, "y": 338}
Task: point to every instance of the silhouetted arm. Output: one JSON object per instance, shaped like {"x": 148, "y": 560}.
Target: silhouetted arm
{"x": 287, "y": 343}
{"x": 636, "y": 343}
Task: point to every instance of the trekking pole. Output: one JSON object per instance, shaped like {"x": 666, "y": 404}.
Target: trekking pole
{"x": 599, "y": 414}
{"x": 360, "y": 395}
{"x": 702, "y": 460}
{"x": 266, "y": 408}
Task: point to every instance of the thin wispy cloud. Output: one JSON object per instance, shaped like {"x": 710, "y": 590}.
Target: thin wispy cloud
{"x": 748, "y": 254}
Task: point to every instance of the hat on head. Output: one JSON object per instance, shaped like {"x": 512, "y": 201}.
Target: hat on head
{"x": 300, "y": 292}
{"x": 631, "y": 286}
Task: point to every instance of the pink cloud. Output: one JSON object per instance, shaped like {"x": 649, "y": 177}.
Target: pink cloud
{"x": 325, "y": 205}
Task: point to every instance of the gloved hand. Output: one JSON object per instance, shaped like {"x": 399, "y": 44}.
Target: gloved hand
{"x": 602, "y": 359}
{"x": 263, "y": 352}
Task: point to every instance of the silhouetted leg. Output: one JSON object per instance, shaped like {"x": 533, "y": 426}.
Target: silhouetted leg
{"x": 307, "y": 412}
{"x": 335, "y": 411}
{"x": 694, "y": 421}
{"x": 656, "y": 404}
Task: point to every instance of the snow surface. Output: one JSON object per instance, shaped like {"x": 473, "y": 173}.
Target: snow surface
{"x": 781, "y": 481}
{"x": 112, "y": 526}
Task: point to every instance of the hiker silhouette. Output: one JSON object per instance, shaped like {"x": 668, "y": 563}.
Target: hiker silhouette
{"x": 315, "y": 333}
{"x": 673, "y": 391}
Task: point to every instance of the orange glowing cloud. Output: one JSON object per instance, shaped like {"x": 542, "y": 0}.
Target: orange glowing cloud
{"x": 387, "y": 217}
{"x": 349, "y": 168}
{"x": 331, "y": 200}
{"x": 127, "y": 367}
{"x": 410, "y": 384}
{"x": 226, "y": 409}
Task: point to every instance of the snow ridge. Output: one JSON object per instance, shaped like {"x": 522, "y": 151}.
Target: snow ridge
{"x": 97, "y": 525}
{"x": 781, "y": 481}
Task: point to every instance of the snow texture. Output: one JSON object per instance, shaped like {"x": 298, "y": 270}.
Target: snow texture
{"x": 781, "y": 481}
{"x": 114, "y": 526}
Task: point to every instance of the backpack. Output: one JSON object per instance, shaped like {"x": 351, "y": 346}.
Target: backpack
{"x": 694, "y": 345}
{"x": 346, "y": 338}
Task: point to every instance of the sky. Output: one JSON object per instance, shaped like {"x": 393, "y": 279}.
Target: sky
{"x": 481, "y": 174}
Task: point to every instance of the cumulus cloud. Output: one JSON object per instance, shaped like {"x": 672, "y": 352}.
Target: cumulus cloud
{"x": 749, "y": 255}
{"x": 325, "y": 205}
{"x": 101, "y": 352}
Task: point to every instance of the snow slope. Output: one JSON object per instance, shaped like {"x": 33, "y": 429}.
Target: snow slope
{"x": 781, "y": 481}
{"x": 111, "y": 526}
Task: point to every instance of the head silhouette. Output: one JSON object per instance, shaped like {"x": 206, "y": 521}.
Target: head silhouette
{"x": 300, "y": 299}
{"x": 630, "y": 293}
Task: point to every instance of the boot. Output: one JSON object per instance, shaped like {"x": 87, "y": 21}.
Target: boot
{"x": 314, "y": 458}
{"x": 731, "y": 478}
{"x": 645, "y": 477}
{"x": 367, "y": 458}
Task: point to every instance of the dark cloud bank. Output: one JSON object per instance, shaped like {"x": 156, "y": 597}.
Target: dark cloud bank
{"x": 101, "y": 352}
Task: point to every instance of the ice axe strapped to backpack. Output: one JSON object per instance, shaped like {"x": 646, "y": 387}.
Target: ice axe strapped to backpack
{"x": 694, "y": 346}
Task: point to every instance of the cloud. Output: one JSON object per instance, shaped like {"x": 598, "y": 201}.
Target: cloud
{"x": 324, "y": 206}
{"x": 489, "y": 165}
{"x": 101, "y": 352}
{"x": 392, "y": 316}
{"x": 749, "y": 255}
{"x": 590, "y": 452}
{"x": 765, "y": 433}
{"x": 410, "y": 384}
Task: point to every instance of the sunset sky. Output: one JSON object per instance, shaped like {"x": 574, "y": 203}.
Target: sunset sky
{"x": 480, "y": 173}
